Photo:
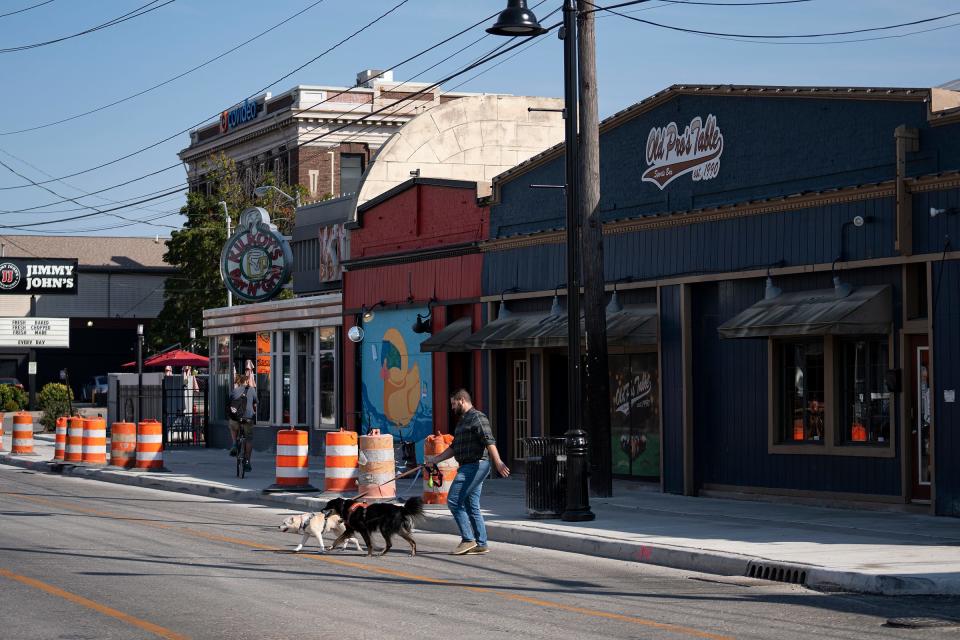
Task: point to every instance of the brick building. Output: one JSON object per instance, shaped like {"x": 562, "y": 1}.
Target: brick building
{"x": 321, "y": 137}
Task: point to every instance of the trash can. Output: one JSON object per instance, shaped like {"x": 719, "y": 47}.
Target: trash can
{"x": 546, "y": 477}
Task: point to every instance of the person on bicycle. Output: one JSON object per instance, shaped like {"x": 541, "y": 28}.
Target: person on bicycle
{"x": 242, "y": 388}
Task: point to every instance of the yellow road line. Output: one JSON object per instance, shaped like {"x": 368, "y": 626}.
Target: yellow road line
{"x": 96, "y": 606}
{"x": 653, "y": 624}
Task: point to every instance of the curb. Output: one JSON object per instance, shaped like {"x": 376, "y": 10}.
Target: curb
{"x": 532, "y": 535}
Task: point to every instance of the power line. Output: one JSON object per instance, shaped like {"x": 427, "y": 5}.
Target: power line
{"x": 767, "y": 36}
{"x": 33, "y": 182}
{"x": 39, "y": 4}
{"x": 136, "y": 13}
{"x": 167, "y": 139}
{"x": 165, "y": 82}
{"x": 88, "y": 215}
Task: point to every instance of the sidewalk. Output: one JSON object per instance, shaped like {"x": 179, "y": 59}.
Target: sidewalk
{"x": 890, "y": 553}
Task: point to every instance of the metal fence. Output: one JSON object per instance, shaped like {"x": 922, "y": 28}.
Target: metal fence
{"x": 182, "y": 411}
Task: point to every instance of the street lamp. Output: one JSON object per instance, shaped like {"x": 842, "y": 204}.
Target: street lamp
{"x": 517, "y": 20}
{"x": 264, "y": 189}
{"x": 139, "y": 373}
{"x": 226, "y": 215}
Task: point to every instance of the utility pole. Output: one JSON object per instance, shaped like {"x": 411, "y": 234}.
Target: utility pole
{"x": 32, "y": 362}
{"x": 596, "y": 369}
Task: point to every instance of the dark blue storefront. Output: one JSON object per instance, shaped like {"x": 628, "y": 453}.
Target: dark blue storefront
{"x": 706, "y": 191}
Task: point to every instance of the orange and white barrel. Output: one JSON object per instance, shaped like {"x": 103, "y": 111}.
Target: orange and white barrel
{"x": 95, "y": 441}
{"x": 150, "y": 445}
{"x": 340, "y": 464}
{"x": 123, "y": 444}
{"x": 60, "y": 439}
{"x": 293, "y": 463}
{"x": 377, "y": 466}
{"x": 74, "y": 449}
{"x": 22, "y": 434}
{"x": 433, "y": 446}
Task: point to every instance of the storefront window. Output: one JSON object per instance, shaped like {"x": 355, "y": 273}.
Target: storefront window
{"x": 864, "y": 402}
{"x": 305, "y": 386}
{"x": 221, "y": 376}
{"x": 326, "y": 385}
{"x": 285, "y": 373}
{"x": 264, "y": 358}
{"x": 801, "y": 391}
{"x": 634, "y": 415}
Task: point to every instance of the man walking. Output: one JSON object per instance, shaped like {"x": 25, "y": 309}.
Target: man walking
{"x": 474, "y": 447}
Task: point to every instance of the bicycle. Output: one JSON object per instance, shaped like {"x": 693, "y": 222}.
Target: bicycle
{"x": 242, "y": 460}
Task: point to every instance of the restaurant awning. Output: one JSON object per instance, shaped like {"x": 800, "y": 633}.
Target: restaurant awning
{"x": 633, "y": 326}
{"x": 867, "y": 310}
{"x": 449, "y": 339}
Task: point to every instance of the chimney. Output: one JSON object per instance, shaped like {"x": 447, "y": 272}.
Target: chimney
{"x": 368, "y": 77}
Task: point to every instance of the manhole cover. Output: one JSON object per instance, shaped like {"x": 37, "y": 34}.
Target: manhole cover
{"x": 922, "y": 623}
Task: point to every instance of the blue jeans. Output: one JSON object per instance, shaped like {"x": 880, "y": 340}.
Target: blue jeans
{"x": 463, "y": 499}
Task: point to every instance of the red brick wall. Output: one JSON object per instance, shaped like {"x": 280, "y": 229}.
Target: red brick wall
{"x": 309, "y": 158}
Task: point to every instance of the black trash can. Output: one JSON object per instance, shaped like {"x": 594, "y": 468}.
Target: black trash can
{"x": 546, "y": 477}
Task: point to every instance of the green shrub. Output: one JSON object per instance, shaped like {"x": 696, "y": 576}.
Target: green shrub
{"x": 54, "y": 400}
{"x": 12, "y": 399}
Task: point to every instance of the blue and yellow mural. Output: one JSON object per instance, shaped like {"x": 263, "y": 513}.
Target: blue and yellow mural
{"x": 396, "y": 378}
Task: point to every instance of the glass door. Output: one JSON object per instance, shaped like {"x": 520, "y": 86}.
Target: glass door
{"x": 921, "y": 423}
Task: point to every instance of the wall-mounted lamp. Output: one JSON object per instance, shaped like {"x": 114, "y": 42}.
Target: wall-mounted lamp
{"x": 614, "y": 306}
{"x": 367, "y": 314}
{"x": 555, "y": 309}
{"x": 415, "y": 173}
{"x": 89, "y": 323}
{"x": 424, "y": 324}
{"x": 771, "y": 291}
{"x": 139, "y": 329}
{"x": 934, "y": 211}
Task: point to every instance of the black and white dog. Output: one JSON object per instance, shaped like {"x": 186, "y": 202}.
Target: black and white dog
{"x": 316, "y": 524}
{"x": 386, "y": 518}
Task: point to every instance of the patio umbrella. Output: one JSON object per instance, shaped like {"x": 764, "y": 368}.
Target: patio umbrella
{"x": 174, "y": 358}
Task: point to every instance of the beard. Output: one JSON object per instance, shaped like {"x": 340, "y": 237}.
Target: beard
{"x": 458, "y": 411}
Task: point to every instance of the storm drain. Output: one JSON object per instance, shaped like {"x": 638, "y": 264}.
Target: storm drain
{"x": 777, "y": 573}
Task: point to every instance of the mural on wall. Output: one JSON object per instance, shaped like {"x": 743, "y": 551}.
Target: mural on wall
{"x": 634, "y": 415}
{"x": 672, "y": 153}
{"x": 332, "y": 242}
{"x": 396, "y": 378}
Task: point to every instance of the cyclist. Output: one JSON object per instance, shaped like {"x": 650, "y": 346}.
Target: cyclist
{"x": 248, "y": 416}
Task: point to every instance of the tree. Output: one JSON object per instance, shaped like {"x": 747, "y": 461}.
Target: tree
{"x": 195, "y": 251}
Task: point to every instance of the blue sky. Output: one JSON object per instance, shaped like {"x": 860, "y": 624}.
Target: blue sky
{"x": 49, "y": 83}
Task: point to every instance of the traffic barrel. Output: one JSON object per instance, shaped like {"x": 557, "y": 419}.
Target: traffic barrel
{"x": 22, "y": 434}
{"x": 377, "y": 466}
{"x": 1, "y": 431}
{"x": 293, "y": 462}
{"x": 60, "y": 439}
{"x": 94, "y": 443}
{"x": 150, "y": 446}
{"x": 74, "y": 449}
{"x": 123, "y": 445}
{"x": 434, "y": 446}
{"x": 340, "y": 465}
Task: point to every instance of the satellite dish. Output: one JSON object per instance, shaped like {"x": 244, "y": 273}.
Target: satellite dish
{"x": 355, "y": 334}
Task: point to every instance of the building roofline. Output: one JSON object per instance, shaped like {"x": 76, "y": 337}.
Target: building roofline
{"x": 403, "y": 186}
{"x": 912, "y": 94}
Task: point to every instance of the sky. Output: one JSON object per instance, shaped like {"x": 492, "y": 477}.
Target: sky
{"x": 45, "y": 84}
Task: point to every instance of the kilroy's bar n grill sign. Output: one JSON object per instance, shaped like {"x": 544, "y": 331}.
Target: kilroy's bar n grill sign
{"x": 256, "y": 260}
{"x": 38, "y": 276}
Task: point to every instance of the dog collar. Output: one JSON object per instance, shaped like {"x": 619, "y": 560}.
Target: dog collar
{"x": 357, "y": 505}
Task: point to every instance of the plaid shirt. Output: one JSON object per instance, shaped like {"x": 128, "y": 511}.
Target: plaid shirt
{"x": 471, "y": 437}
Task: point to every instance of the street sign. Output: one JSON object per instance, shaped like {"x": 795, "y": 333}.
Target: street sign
{"x": 32, "y": 368}
{"x": 35, "y": 333}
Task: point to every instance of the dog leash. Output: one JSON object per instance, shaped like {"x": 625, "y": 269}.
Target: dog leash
{"x": 433, "y": 470}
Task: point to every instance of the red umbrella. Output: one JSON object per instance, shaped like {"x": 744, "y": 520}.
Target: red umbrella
{"x": 174, "y": 358}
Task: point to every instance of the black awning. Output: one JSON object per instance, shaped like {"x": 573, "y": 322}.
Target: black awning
{"x": 449, "y": 339}
{"x": 867, "y": 310}
{"x": 633, "y": 326}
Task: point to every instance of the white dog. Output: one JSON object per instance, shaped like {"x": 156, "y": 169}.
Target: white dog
{"x": 316, "y": 524}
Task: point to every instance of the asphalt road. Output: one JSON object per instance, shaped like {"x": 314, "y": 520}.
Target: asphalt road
{"x": 86, "y": 560}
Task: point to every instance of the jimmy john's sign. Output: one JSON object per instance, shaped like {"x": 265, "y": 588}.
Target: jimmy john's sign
{"x": 38, "y": 276}
{"x": 672, "y": 152}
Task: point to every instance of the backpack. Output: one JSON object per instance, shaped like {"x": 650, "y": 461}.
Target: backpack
{"x": 237, "y": 406}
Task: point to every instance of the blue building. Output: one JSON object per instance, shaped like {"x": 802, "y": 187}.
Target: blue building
{"x": 786, "y": 262}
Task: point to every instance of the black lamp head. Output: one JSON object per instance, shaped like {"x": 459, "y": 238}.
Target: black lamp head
{"x": 423, "y": 324}
{"x": 516, "y": 20}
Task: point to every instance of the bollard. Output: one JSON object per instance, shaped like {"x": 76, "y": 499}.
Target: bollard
{"x": 435, "y": 445}
{"x": 150, "y": 446}
{"x": 123, "y": 445}
{"x": 74, "y": 449}
{"x": 293, "y": 462}
{"x": 22, "y": 434}
{"x": 60, "y": 439}
{"x": 340, "y": 465}
{"x": 377, "y": 466}
{"x": 94, "y": 444}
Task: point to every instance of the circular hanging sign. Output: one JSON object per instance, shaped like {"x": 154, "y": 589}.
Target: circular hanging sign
{"x": 255, "y": 263}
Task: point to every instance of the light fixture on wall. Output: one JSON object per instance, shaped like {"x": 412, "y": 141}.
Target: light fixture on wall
{"x": 367, "y": 314}
{"x": 771, "y": 291}
{"x": 614, "y": 306}
{"x": 934, "y": 211}
{"x": 424, "y": 324}
{"x": 555, "y": 309}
